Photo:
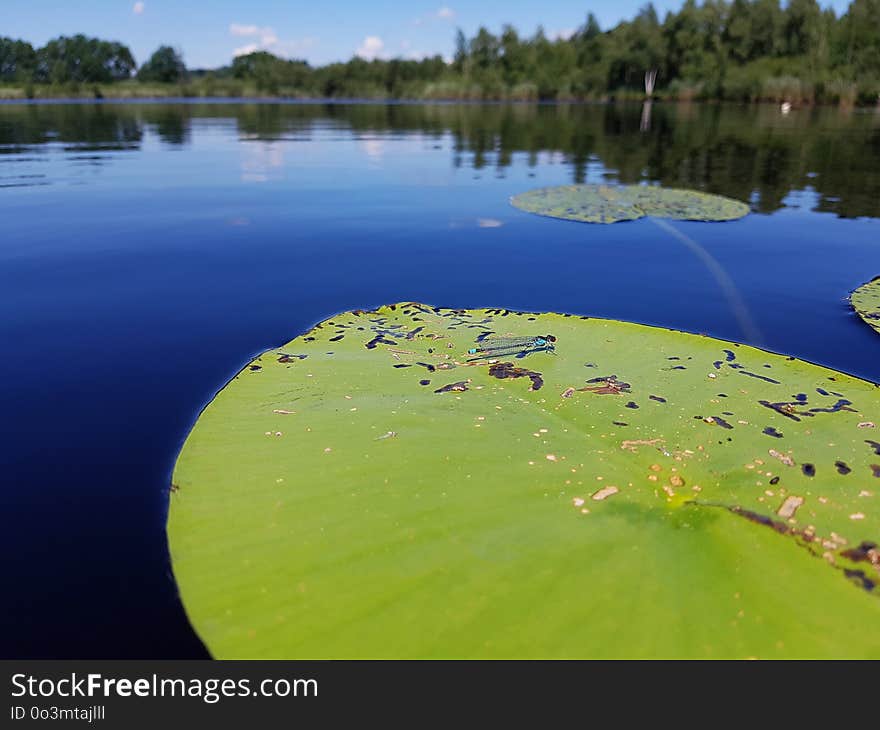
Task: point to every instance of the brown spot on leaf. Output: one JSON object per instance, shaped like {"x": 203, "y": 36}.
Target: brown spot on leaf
{"x": 859, "y": 578}
{"x": 604, "y": 493}
{"x": 759, "y": 377}
{"x": 460, "y": 386}
{"x": 866, "y": 551}
{"x": 504, "y": 370}
{"x": 789, "y": 506}
{"x": 784, "y": 458}
{"x": 780, "y": 527}
{"x": 784, "y": 408}
{"x": 631, "y": 445}
{"x": 378, "y": 339}
{"x": 609, "y": 385}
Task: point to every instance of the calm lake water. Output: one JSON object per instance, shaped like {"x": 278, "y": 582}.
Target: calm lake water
{"x": 149, "y": 250}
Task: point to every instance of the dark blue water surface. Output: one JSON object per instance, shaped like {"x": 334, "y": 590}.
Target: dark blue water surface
{"x": 149, "y": 250}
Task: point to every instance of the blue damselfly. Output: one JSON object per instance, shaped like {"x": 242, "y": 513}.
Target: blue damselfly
{"x": 493, "y": 346}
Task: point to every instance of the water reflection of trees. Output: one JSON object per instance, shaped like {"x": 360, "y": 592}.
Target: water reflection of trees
{"x": 752, "y": 153}
{"x": 83, "y": 126}
{"x": 171, "y": 123}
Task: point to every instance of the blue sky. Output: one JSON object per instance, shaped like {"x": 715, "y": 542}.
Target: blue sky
{"x": 210, "y": 33}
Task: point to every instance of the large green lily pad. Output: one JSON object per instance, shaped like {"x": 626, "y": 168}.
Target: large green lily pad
{"x": 371, "y": 490}
{"x": 611, "y": 204}
{"x": 866, "y": 301}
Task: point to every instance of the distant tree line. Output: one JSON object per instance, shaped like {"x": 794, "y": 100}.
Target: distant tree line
{"x": 79, "y": 59}
{"x": 65, "y": 60}
{"x": 744, "y": 50}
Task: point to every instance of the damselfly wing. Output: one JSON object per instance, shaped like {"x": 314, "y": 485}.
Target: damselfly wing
{"x": 493, "y": 346}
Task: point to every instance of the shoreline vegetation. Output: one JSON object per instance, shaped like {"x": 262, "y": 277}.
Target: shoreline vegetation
{"x": 138, "y": 91}
{"x": 186, "y": 93}
{"x": 740, "y": 51}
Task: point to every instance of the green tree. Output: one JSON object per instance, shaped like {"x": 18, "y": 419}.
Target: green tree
{"x": 165, "y": 66}
{"x": 637, "y": 47}
{"x": 591, "y": 28}
{"x": 589, "y": 43}
{"x": 271, "y": 73}
{"x": 81, "y": 59}
{"x": 461, "y": 51}
{"x": 515, "y": 57}
{"x": 484, "y": 49}
{"x": 765, "y": 28}
{"x": 18, "y": 60}
{"x": 737, "y": 33}
{"x": 802, "y": 27}
{"x": 695, "y": 48}
{"x": 859, "y": 33}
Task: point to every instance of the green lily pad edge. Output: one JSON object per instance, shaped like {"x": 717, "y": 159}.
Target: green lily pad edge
{"x": 866, "y": 301}
{"x": 616, "y": 203}
{"x": 372, "y": 490}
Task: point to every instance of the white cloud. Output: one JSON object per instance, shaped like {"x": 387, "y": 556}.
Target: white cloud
{"x": 266, "y": 39}
{"x": 138, "y": 8}
{"x": 444, "y": 13}
{"x": 267, "y": 35}
{"x": 372, "y": 47}
{"x": 564, "y": 34}
{"x": 262, "y": 162}
{"x": 238, "y": 29}
{"x": 245, "y": 50}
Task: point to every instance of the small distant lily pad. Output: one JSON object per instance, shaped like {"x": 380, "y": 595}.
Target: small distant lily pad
{"x": 866, "y": 301}
{"x": 371, "y": 489}
{"x": 612, "y": 204}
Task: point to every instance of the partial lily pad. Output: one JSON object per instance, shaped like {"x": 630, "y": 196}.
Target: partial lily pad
{"x": 866, "y": 301}
{"x": 611, "y": 204}
{"x": 371, "y": 489}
